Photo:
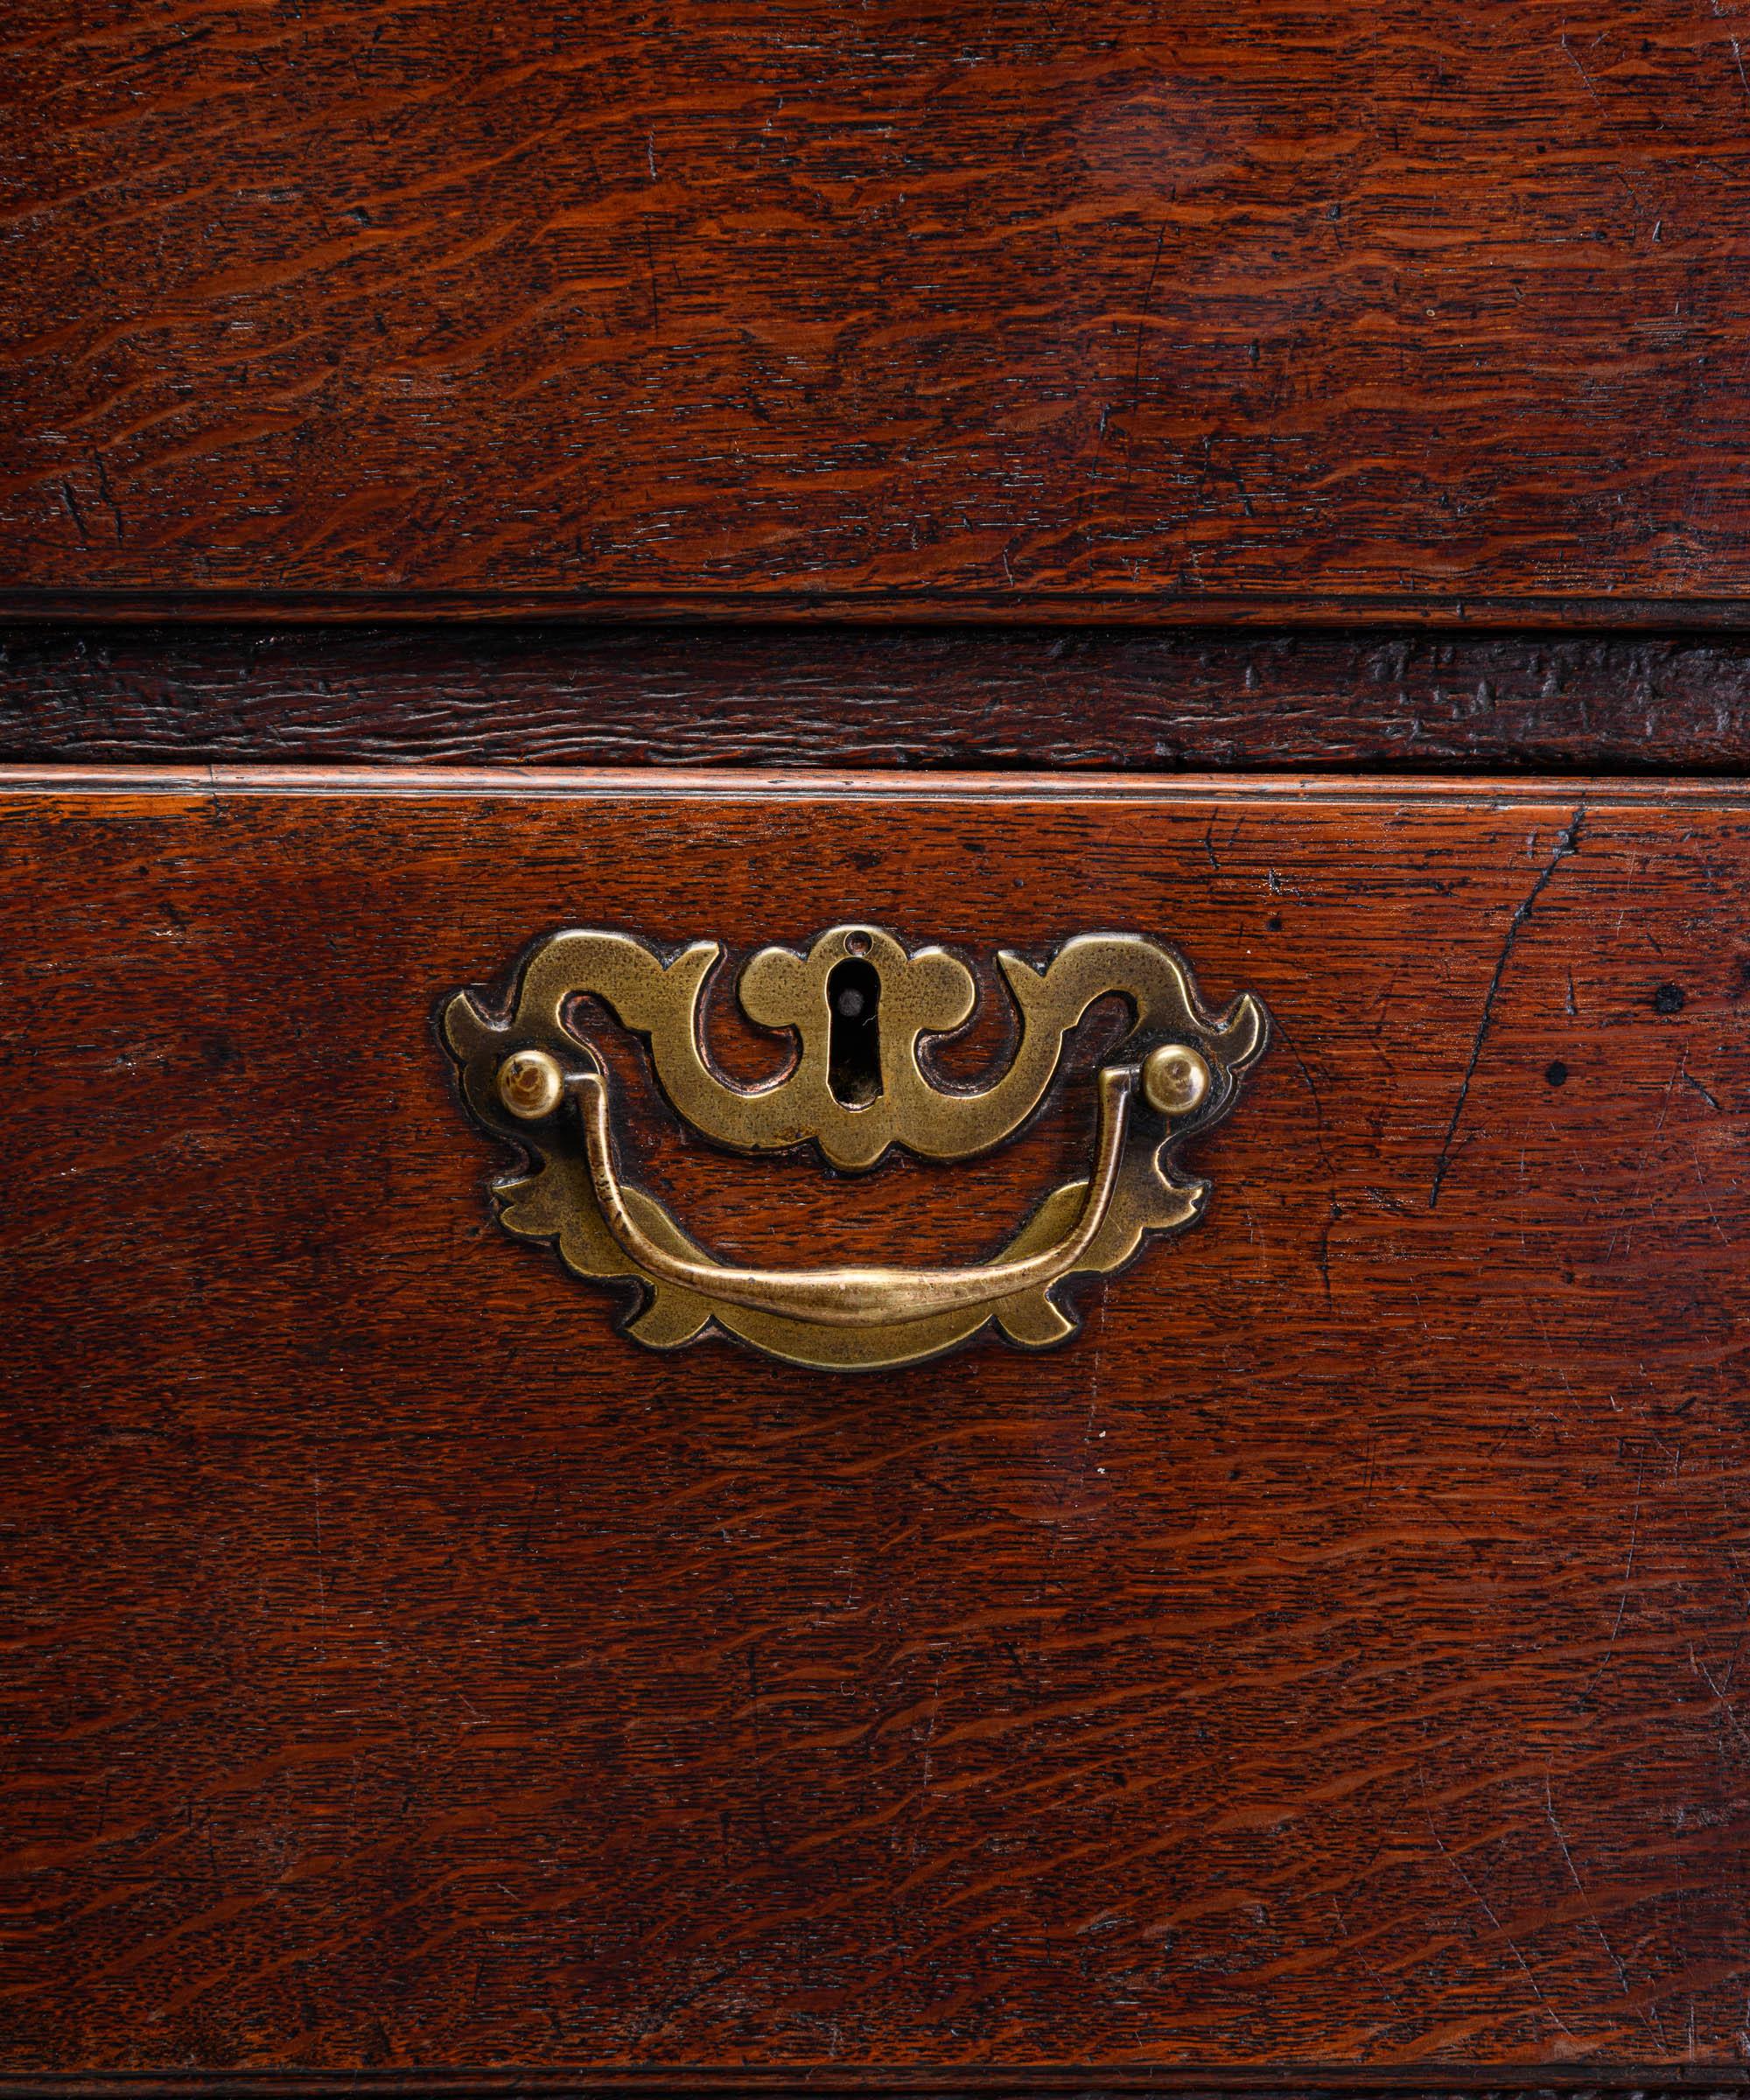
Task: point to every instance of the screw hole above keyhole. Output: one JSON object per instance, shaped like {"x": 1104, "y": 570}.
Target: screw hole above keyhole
{"x": 853, "y": 998}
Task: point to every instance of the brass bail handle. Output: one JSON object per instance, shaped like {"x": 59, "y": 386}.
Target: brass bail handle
{"x": 1174, "y": 1080}
{"x": 861, "y": 1297}
{"x": 860, "y": 1007}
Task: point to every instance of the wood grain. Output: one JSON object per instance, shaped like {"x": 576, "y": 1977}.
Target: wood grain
{"x": 1255, "y": 307}
{"x": 1554, "y": 2083}
{"x": 877, "y": 697}
{"x": 1329, "y": 1661}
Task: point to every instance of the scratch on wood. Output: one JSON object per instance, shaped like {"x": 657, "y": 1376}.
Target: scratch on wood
{"x": 1567, "y": 843}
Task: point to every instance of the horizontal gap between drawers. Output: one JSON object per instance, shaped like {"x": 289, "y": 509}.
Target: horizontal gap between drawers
{"x": 1159, "y": 701}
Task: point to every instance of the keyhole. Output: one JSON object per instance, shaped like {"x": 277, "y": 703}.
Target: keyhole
{"x": 853, "y": 1069}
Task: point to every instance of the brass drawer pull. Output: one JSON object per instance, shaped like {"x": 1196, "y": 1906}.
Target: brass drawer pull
{"x": 861, "y": 1298}
{"x": 860, "y": 1005}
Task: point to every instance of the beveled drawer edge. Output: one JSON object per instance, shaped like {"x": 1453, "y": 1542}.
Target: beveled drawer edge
{"x": 28, "y": 602}
{"x": 803, "y": 785}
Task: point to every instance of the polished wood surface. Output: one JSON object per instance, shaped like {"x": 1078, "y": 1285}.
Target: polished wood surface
{"x": 936, "y": 697}
{"x": 1329, "y": 1660}
{"x": 1235, "y": 309}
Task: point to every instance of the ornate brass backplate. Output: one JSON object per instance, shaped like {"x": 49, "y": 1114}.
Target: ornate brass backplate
{"x": 861, "y": 1010}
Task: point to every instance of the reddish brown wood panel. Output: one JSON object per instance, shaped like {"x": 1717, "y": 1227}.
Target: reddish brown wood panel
{"x": 1551, "y": 2082}
{"x": 1333, "y": 306}
{"x": 877, "y": 697}
{"x": 1330, "y": 1659}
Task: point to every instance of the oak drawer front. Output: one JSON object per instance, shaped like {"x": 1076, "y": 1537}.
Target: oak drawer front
{"x": 1276, "y": 312}
{"x": 1328, "y": 1657}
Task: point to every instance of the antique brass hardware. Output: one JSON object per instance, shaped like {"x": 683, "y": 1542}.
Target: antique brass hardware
{"x": 530, "y": 1084}
{"x": 862, "y": 1011}
{"x": 861, "y": 1297}
{"x": 1175, "y": 1078}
